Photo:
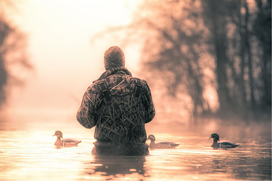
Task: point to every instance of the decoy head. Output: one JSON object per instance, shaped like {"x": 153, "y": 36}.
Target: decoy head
{"x": 215, "y": 136}
{"x": 58, "y": 134}
{"x": 151, "y": 137}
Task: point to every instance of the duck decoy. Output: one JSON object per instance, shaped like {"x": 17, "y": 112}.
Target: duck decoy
{"x": 161, "y": 144}
{"x": 224, "y": 144}
{"x": 66, "y": 142}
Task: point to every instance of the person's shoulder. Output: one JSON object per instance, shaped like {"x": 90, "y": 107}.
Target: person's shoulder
{"x": 95, "y": 86}
{"x": 140, "y": 81}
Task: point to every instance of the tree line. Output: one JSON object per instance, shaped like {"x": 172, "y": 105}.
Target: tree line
{"x": 13, "y": 57}
{"x": 223, "y": 44}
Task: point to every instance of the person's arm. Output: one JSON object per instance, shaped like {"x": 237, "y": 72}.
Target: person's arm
{"x": 148, "y": 102}
{"x": 86, "y": 113}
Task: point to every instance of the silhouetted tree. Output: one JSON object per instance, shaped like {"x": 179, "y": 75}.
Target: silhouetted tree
{"x": 194, "y": 44}
{"x": 176, "y": 49}
{"x": 262, "y": 31}
{"x": 234, "y": 28}
{"x": 13, "y": 58}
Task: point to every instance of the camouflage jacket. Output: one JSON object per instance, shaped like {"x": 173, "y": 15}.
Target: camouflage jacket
{"x": 120, "y": 114}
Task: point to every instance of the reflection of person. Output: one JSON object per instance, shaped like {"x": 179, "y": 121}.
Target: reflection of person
{"x": 111, "y": 167}
{"x": 118, "y": 105}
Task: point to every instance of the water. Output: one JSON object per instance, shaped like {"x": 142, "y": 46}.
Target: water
{"x": 30, "y": 155}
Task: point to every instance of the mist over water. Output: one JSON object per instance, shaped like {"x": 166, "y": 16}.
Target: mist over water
{"x": 27, "y": 152}
{"x": 168, "y": 53}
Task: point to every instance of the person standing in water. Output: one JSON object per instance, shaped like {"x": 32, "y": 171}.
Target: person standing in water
{"x": 119, "y": 106}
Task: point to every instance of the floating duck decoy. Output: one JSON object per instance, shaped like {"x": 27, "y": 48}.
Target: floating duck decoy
{"x": 224, "y": 144}
{"x": 161, "y": 144}
{"x": 66, "y": 142}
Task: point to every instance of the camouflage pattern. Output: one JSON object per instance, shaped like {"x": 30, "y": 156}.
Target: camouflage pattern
{"x": 120, "y": 122}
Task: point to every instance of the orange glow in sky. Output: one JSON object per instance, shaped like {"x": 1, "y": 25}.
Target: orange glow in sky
{"x": 65, "y": 61}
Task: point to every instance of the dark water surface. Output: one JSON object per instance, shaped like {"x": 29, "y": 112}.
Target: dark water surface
{"x": 31, "y": 155}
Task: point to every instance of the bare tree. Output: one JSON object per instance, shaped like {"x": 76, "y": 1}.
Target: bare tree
{"x": 13, "y": 58}
{"x": 262, "y": 31}
{"x": 184, "y": 39}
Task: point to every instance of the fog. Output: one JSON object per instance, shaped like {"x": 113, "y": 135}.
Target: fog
{"x": 59, "y": 48}
{"x": 65, "y": 46}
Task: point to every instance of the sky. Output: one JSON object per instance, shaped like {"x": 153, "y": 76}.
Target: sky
{"x": 60, "y": 49}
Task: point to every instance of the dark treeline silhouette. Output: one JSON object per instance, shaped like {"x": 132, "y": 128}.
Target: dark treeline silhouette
{"x": 230, "y": 38}
{"x": 194, "y": 45}
{"x": 240, "y": 40}
{"x": 13, "y": 58}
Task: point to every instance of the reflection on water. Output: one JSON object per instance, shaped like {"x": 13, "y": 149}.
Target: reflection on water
{"x": 31, "y": 155}
{"x": 118, "y": 166}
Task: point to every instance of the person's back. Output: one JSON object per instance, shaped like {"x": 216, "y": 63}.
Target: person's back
{"x": 118, "y": 105}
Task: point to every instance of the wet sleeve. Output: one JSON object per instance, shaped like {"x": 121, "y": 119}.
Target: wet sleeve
{"x": 86, "y": 113}
{"x": 148, "y": 102}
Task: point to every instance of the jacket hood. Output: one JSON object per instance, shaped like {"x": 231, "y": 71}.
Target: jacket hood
{"x": 112, "y": 71}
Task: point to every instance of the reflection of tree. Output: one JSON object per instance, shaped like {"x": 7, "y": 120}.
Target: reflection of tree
{"x": 117, "y": 165}
{"x": 13, "y": 59}
{"x": 243, "y": 166}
